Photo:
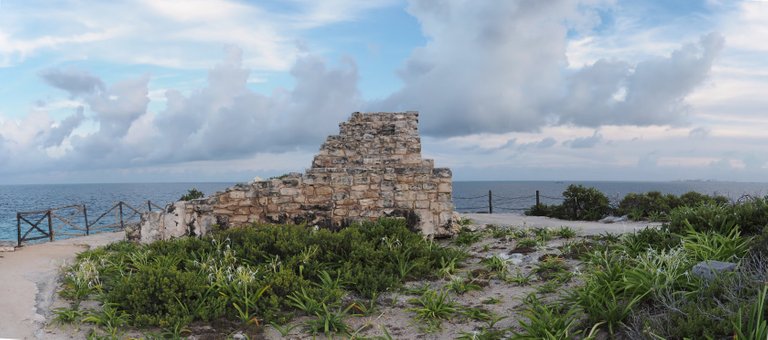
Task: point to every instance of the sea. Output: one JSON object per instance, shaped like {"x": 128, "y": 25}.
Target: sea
{"x": 468, "y": 196}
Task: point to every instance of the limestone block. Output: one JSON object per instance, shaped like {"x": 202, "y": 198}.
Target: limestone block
{"x": 444, "y": 188}
{"x": 290, "y": 191}
{"x": 237, "y": 195}
{"x": 422, "y": 205}
{"x": 220, "y": 211}
{"x": 238, "y": 219}
{"x": 322, "y": 191}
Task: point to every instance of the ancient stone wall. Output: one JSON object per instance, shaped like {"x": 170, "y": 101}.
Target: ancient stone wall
{"x": 372, "y": 168}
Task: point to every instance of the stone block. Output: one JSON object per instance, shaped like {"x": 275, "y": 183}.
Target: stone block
{"x": 290, "y": 191}
{"x": 444, "y": 188}
{"x": 422, "y": 205}
{"x": 237, "y": 195}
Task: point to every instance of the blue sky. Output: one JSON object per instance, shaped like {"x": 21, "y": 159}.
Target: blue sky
{"x": 217, "y": 90}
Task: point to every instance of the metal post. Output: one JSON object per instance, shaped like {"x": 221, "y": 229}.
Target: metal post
{"x": 122, "y": 226}
{"x": 85, "y": 217}
{"x": 149, "y": 205}
{"x": 538, "y": 202}
{"x": 50, "y": 226}
{"x": 490, "y": 202}
{"x": 18, "y": 228}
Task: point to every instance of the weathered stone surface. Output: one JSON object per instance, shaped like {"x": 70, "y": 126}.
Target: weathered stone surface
{"x": 7, "y": 246}
{"x": 708, "y": 270}
{"x": 372, "y": 168}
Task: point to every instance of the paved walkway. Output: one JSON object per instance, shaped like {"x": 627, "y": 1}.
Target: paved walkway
{"x": 585, "y": 227}
{"x": 28, "y": 280}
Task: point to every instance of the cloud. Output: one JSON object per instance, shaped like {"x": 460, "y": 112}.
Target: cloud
{"x": 699, "y": 132}
{"x": 502, "y": 67}
{"x": 652, "y": 92}
{"x": 585, "y": 142}
{"x": 74, "y": 82}
{"x": 222, "y": 120}
{"x": 57, "y": 134}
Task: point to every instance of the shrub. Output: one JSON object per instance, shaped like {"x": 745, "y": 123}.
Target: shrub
{"x": 263, "y": 272}
{"x": 580, "y": 203}
{"x": 705, "y": 217}
{"x": 191, "y": 195}
{"x": 158, "y": 296}
{"x": 750, "y": 215}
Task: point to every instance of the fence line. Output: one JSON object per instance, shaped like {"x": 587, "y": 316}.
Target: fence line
{"x": 44, "y": 227}
{"x": 498, "y": 202}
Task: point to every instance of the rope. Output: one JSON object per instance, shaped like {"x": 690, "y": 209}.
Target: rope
{"x": 553, "y": 198}
{"x": 469, "y": 198}
{"x": 503, "y": 198}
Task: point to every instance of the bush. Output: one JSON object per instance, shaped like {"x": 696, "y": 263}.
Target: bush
{"x": 751, "y": 216}
{"x": 192, "y": 194}
{"x": 580, "y": 203}
{"x": 656, "y": 206}
{"x": 248, "y": 274}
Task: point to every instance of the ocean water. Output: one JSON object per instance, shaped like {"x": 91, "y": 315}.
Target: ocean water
{"x": 516, "y": 196}
{"x": 98, "y": 199}
{"x": 508, "y": 196}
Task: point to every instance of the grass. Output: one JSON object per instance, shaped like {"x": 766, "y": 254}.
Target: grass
{"x": 433, "y": 307}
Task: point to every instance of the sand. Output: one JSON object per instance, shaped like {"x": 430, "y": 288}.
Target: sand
{"x": 584, "y": 227}
{"x": 29, "y": 280}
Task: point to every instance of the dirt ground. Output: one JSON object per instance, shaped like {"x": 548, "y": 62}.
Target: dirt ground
{"x": 30, "y": 279}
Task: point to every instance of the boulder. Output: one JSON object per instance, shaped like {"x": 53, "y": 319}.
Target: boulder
{"x": 708, "y": 270}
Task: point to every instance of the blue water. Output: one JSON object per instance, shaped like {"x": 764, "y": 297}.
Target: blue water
{"x": 508, "y": 196}
{"x": 516, "y": 196}
{"x": 98, "y": 198}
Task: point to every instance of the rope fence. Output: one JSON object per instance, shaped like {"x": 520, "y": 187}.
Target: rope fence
{"x": 487, "y": 203}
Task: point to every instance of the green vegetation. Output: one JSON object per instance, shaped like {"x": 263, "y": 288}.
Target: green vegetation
{"x": 589, "y": 204}
{"x": 192, "y": 194}
{"x": 635, "y": 285}
{"x": 267, "y": 273}
{"x": 579, "y": 203}
{"x": 640, "y": 284}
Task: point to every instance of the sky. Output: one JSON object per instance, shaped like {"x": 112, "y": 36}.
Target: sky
{"x": 227, "y": 90}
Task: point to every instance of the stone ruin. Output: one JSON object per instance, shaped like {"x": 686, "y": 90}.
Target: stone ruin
{"x": 371, "y": 169}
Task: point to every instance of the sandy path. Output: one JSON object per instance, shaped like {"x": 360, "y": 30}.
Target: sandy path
{"x": 586, "y": 227}
{"x": 28, "y": 282}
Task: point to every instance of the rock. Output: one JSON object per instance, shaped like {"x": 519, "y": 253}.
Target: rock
{"x": 516, "y": 258}
{"x": 708, "y": 270}
{"x": 6, "y": 246}
{"x": 614, "y": 219}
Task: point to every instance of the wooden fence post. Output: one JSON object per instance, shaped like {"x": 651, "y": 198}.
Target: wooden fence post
{"x": 490, "y": 202}
{"x": 538, "y": 202}
{"x": 50, "y": 226}
{"x": 120, "y": 207}
{"x": 18, "y": 228}
{"x": 85, "y": 217}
